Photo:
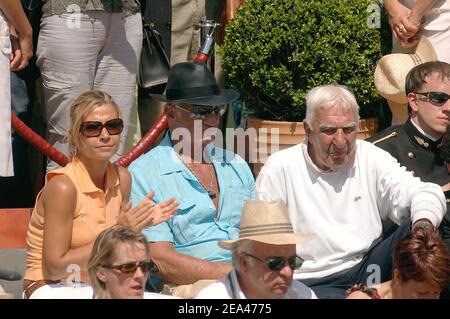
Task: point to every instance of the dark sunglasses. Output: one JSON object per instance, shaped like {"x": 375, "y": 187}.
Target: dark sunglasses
{"x": 435, "y": 98}
{"x": 200, "y": 112}
{"x": 94, "y": 128}
{"x": 278, "y": 263}
{"x": 131, "y": 267}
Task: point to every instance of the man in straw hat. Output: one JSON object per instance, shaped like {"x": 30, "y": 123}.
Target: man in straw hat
{"x": 417, "y": 143}
{"x": 264, "y": 257}
{"x": 391, "y": 71}
{"x": 210, "y": 183}
{"x": 341, "y": 189}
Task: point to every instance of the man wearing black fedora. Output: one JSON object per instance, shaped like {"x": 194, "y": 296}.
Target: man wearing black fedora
{"x": 210, "y": 183}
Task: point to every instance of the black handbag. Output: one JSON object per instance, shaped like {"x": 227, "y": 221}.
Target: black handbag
{"x": 154, "y": 65}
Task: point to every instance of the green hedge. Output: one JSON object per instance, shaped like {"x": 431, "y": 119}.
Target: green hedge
{"x": 277, "y": 50}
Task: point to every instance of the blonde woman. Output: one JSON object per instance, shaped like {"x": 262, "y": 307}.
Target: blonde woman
{"x": 80, "y": 200}
{"x": 119, "y": 264}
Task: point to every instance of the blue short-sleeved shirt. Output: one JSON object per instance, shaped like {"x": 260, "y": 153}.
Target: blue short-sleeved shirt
{"x": 194, "y": 230}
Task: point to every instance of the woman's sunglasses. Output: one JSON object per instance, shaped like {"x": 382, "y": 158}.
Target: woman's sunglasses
{"x": 131, "y": 267}
{"x": 435, "y": 98}
{"x": 94, "y": 128}
{"x": 200, "y": 112}
{"x": 278, "y": 263}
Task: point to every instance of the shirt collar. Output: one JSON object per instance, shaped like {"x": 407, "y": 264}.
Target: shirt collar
{"x": 419, "y": 137}
{"x": 236, "y": 291}
{"x": 85, "y": 181}
{"x": 423, "y": 132}
{"x": 171, "y": 162}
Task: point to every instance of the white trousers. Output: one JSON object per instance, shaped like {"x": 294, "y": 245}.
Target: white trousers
{"x": 96, "y": 50}
{"x": 63, "y": 291}
{"x": 6, "y": 159}
{"x": 437, "y": 27}
{"x": 81, "y": 291}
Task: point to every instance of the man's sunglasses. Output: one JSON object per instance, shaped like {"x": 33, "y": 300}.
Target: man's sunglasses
{"x": 131, "y": 267}
{"x": 94, "y": 128}
{"x": 435, "y": 98}
{"x": 200, "y": 112}
{"x": 278, "y": 263}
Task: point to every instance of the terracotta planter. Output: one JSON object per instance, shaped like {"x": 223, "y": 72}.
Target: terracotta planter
{"x": 14, "y": 227}
{"x": 286, "y": 134}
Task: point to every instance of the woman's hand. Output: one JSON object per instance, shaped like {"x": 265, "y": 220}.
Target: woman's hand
{"x": 402, "y": 27}
{"x": 147, "y": 213}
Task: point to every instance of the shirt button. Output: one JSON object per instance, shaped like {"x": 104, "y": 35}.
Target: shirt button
{"x": 411, "y": 155}
{"x": 211, "y": 206}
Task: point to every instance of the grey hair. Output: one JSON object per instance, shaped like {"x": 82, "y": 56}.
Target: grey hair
{"x": 238, "y": 248}
{"x": 327, "y": 96}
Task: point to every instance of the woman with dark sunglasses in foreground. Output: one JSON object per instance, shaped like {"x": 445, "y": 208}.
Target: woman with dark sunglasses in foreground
{"x": 80, "y": 200}
{"x": 119, "y": 264}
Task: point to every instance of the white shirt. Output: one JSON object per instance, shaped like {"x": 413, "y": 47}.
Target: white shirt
{"x": 229, "y": 288}
{"x": 344, "y": 209}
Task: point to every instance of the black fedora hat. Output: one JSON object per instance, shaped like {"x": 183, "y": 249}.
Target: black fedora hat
{"x": 193, "y": 83}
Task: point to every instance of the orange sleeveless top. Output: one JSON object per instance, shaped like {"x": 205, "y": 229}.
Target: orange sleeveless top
{"x": 95, "y": 210}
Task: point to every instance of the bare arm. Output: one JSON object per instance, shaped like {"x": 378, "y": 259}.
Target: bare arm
{"x": 357, "y": 295}
{"x": 21, "y": 30}
{"x": 446, "y": 187}
{"x": 59, "y": 203}
{"x": 181, "y": 269}
{"x": 146, "y": 213}
{"x": 399, "y": 16}
{"x": 420, "y": 8}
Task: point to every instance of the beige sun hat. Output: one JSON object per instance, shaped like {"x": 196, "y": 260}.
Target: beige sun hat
{"x": 391, "y": 71}
{"x": 267, "y": 222}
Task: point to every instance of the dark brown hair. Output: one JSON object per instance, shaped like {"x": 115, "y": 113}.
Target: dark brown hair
{"x": 415, "y": 79}
{"x": 422, "y": 257}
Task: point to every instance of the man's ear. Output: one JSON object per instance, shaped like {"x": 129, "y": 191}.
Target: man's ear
{"x": 412, "y": 101}
{"x": 307, "y": 129}
{"x": 100, "y": 272}
{"x": 243, "y": 264}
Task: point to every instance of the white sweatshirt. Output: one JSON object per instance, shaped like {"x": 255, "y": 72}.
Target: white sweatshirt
{"x": 344, "y": 209}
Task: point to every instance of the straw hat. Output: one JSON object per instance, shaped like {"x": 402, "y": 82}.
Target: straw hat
{"x": 391, "y": 71}
{"x": 266, "y": 222}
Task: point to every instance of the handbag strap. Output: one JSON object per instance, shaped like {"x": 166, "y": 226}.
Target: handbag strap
{"x": 149, "y": 29}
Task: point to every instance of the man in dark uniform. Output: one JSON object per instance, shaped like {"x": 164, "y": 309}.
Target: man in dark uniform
{"x": 417, "y": 143}
{"x": 445, "y": 154}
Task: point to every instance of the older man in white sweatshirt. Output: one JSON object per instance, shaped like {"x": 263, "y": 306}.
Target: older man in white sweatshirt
{"x": 341, "y": 189}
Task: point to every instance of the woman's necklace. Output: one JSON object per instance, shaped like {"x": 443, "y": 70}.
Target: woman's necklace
{"x": 209, "y": 190}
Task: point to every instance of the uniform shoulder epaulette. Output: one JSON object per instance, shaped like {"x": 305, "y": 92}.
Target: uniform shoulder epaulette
{"x": 393, "y": 134}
